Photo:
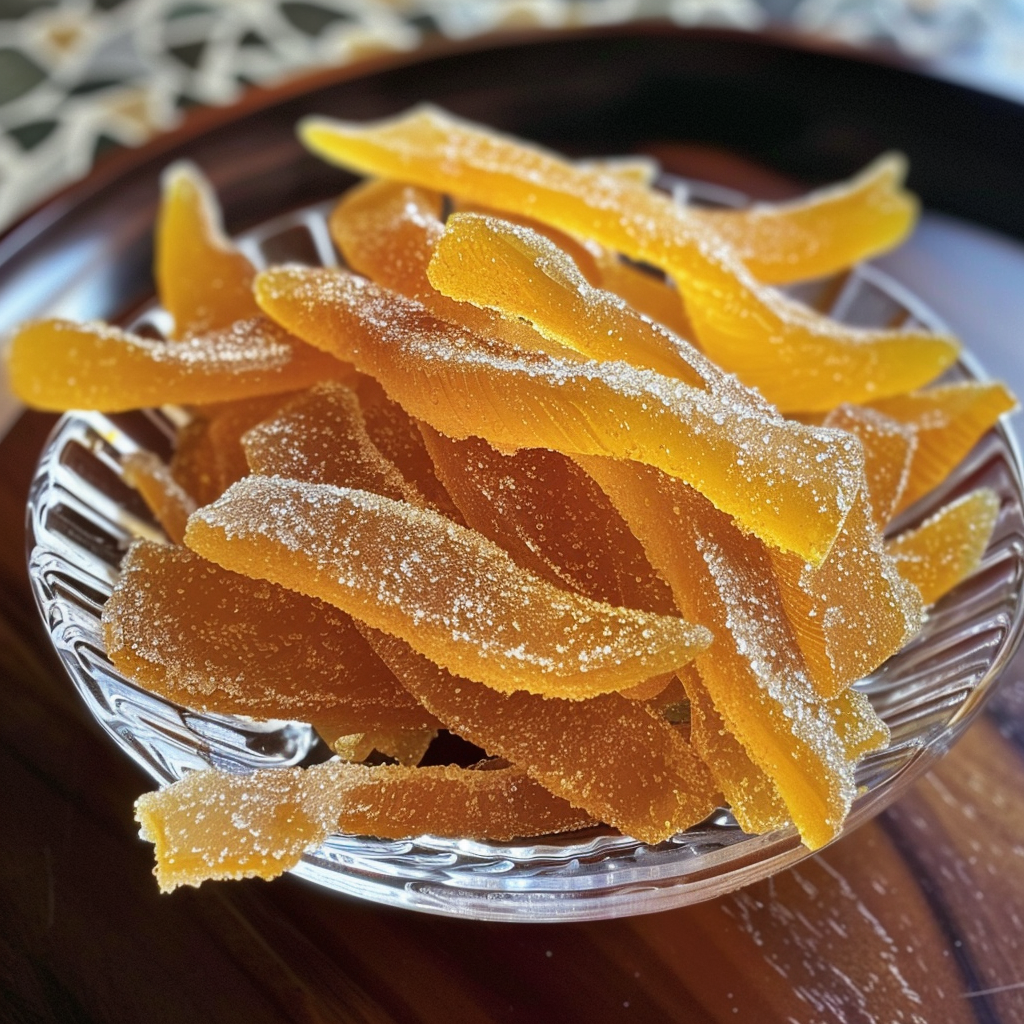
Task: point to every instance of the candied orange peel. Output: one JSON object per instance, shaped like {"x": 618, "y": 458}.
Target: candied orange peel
{"x": 523, "y": 473}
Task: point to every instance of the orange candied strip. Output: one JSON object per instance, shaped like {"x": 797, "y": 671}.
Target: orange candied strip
{"x": 948, "y": 421}
{"x": 217, "y": 825}
{"x": 790, "y": 484}
{"x": 551, "y": 518}
{"x": 163, "y": 495}
{"x": 213, "y": 640}
{"x": 800, "y": 360}
{"x": 321, "y": 438}
{"x": 889, "y": 448}
{"x": 827, "y": 230}
{"x": 618, "y": 760}
{"x": 754, "y": 800}
{"x": 387, "y": 231}
{"x": 448, "y": 591}
{"x": 853, "y": 610}
{"x": 396, "y": 435}
{"x": 754, "y": 672}
{"x": 520, "y": 273}
{"x": 203, "y": 281}
{"x": 948, "y": 546}
{"x": 208, "y": 455}
{"x": 57, "y": 365}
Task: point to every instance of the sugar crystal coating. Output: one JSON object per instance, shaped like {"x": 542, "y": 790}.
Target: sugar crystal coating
{"x": 613, "y": 757}
{"x": 57, "y": 364}
{"x": 445, "y": 589}
{"x": 217, "y": 641}
{"x": 948, "y": 546}
{"x": 790, "y": 484}
{"x": 214, "y": 824}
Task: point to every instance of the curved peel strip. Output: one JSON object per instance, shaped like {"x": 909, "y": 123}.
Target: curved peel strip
{"x": 202, "y": 280}
{"x": 446, "y": 590}
{"x": 799, "y": 360}
{"x": 948, "y": 421}
{"x": 321, "y": 438}
{"x": 754, "y": 672}
{"x": 520, "y": 502}
{"x": 948, "y": 546}
{"x": 611, "y": 756}
{"x": 825, "y": 231}
{"x": 57, "y": 365}
{"x": 169, "y": 502}
{"x": 217, "y": 825}
{"x": 220, "y": 642}
{"x": 790, "y": 484}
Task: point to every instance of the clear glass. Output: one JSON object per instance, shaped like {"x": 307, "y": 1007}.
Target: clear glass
{"x": 82, "y": 518}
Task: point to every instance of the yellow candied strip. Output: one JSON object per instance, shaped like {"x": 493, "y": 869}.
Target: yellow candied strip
{"x": 620, "y": 761}
{"x": 754, "y": 672}
{"x": 520, "y": 273}
{"x": 218, "y": 825}
{"x": 202, "y": 280}
{"x": 448, "y": 591}
{"x": 827, "y": 230}
{"x": 791, "y": 485}
{"x": 799, "y": 360}
{"x": 948, "y": 420}
{"x": 948, "y": 546}
{"x": 57, "y": 365}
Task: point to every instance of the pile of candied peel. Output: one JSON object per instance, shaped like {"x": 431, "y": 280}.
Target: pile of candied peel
{"x": 552, "y": 466}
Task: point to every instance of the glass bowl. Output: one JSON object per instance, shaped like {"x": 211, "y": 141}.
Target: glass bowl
{"x": 82, "y": 518}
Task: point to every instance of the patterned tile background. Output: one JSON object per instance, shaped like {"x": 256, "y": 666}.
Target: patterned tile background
{"x": 80, "y": 76}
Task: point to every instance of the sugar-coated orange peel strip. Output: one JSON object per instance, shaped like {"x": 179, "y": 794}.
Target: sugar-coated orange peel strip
{"x": 321, "y": 438}
{"x": 828, "y": 230}
{"x": 519, "y": 502}
{"x": 169, "y": 502}
{"x": 217, "y": 825}
{"x": 448, "y": 591}
{"x": 217, "y": 641}
{"x": 790, "y": 484}
{"x": 203, "y": 281}
{"x": 948, "y": 546}
{"x": 617, "y": 759}
{"x": 799, "y": 359}
{"x": 947, "y": 420}
{"x": 754, "y": 672}
{"x": 57, "y": 365}
{"x": 522, "y": 274}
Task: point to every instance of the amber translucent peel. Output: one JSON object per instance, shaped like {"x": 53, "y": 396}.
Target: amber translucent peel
{"x": 754, "y": 672}
{"x": 57, "y": 365}
{"x": 791, "y": 484}
{"x": 446, "y": 590}
{"x": 214, "y": 824}
{"x": 620, "y": 761}
{"x": 519, "y": 501}
{"x": 216, "y": 641}
{"x": 202, "y": 280}
{"x": 800, "y": 360}
{"x": 946, "y": 548}
{"x": 321, "y": 437}
{"x": 169, "y": 502}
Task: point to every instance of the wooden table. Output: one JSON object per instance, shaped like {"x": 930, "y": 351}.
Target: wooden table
{"x": 918, "y": 916}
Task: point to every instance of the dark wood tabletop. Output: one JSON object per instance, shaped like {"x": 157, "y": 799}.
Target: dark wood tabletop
{"x": 918, "y": 916}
